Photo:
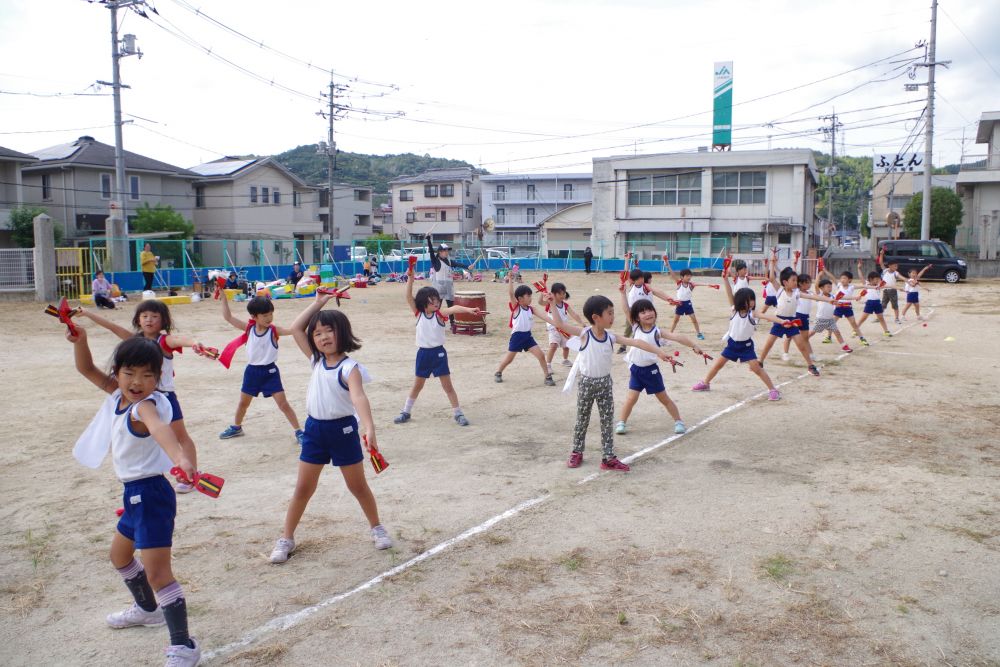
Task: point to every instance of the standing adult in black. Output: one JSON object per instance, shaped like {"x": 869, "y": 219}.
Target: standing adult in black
{"x": 443, "y": 266}
{"x": 588, "y": 257}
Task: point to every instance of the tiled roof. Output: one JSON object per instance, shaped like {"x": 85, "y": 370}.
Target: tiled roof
{"x": 436, "y": 176}
{"x": 87, "y": 152}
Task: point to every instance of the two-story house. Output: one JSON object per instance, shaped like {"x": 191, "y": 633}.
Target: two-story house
{"x": 76, "y": 183}
{"x": 445, "y": 202}
{"x": 979, "y": 186}
{"x": 519, "y": 204}
{"x": 11, "y": 189}
{"x": 352, "y": 212}
{"x": 697, "y": 204}
{"x": 261, "y": 202}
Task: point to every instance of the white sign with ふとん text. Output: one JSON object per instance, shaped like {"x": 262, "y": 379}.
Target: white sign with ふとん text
{"x": 886, "y": 163}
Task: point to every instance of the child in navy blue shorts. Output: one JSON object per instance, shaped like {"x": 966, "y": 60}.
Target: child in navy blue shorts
{"x": 521, "y": 319}
{"x": 135, "y": 421}
{"x": 789, "y": 325}
{"x": 644, "y": 372}
{"x": 685, "y": 290}
{"x": 432, "y": 358}
{"x": 152, "y": 320}
{"x": 873, "y": 302}
{"x": 912, "y": 287}
{"x": 739, "y": 339}
{"x": 335, "y": 402}
{"x": 260, "y": 335}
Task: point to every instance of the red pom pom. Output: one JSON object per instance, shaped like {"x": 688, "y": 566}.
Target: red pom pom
{"x": 677, "y": 353}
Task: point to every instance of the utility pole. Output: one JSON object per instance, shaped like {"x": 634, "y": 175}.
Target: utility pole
{"x": 925, "y": 213}
{"x": 117, "y": 230}
{"x": 331, "y": 147}
{"x": 831, "y": 171}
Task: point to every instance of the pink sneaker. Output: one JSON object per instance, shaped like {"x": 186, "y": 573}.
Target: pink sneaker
{"x": 774, "y": 395}
{"x": 847, "y": 348}
{"x": 701, "y": 386}
{"x": 575, "y": 459}
{"x": 614, "y": 464}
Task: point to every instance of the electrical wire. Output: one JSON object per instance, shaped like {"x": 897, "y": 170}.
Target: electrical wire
{"x": 971, "y": 43}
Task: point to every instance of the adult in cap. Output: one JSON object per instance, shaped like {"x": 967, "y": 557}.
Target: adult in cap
{"x": 443, "y": 266}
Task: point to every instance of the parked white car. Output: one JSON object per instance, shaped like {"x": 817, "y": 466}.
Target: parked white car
{"x": 397, "y": 255}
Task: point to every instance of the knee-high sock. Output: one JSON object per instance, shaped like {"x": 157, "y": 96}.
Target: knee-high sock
{"x": 171, "y": 599}
{"x": 135, "y": 578}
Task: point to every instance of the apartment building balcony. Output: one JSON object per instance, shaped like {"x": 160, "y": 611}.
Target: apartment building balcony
{"x": 538, "y": 196}
{"x": 523, "y": 220}
{"x": 979, "y": 169}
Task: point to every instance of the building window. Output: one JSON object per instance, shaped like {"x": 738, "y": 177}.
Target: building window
{"x": 501, "y": 193}
{"x": 664, "y": 190}
{"x": 105, "y": 186}
{"x": 530, "y": 215}
{"x": 750, "y": 243}
{"x": 739, "y": 187}
{"x": 430, "y": 191}
{"x": 567, "y": 190}
{"x": 133, "y": 188}
{"x": 362, "y": 195}
{"x": 470, "y": 212}
{"x": 531, "y": 192}
{"x": 899, "y": 202}
{"x": 444, "y": 216}
{"x": 199, "y": 197}
{"x": 468, "y": 191}
{"x": 265, "y": 195}
{"x": 253, "y": 194}
{"x": 276, "y": 196}
{"x": 296, "y": 199}
{"x": 406, "y": 195}
{"x": 46, "y": 186}
{"x": 411, "y": 216}
{"x": 784, "y": 238}
{"x": 448, "y": 190}
{"x": 501, "y": 216}
{"x": 428, "y": 215}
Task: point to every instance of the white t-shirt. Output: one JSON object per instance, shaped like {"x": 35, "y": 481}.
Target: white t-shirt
{"x": 912, "y": 285}
{"x": 522, "y": 318}
{"x": 803, "y": 306}
{"x": 328, "y": 396}
{"x": 430, "y": 330}
{"x": 136, "y": 456}
{"x": 684, "y": 291}
{"x": 595, "y": 356}
{"x": 560, "y": 312}
{"x": 874, "y": 293}
{"x": 740, "y": 283}
{"x": 167, "y": 373}
{"x": 824, "y": 310}
{"x": 741, "y": 327}
{"x": 262, "y": 349}
{"x": 637, "y": 357}
{"x": 635, "y": 293}
{"x": 845, "y": 293}
{"x": 786, "y": 303}
{"x": 890, "y": 279}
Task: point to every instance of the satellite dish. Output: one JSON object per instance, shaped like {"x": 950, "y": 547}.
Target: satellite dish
{"x": 488, "y": 225}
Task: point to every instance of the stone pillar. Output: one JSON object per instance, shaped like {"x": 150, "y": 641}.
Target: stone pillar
{"x": 117, "y": 235}
{"x": 46, "y": 287}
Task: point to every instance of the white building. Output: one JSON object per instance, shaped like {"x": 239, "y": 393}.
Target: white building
{"x": 352, "y": 212}
{"x": 979, "y": 186}
{"x": 697, "y": 204}
{"x": 518, "y": 204}
{"x": 444, "y": 202}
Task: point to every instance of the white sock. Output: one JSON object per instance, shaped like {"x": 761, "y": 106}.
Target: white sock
{"x": 458, "y": 411}
{"x": 408, "y": 406}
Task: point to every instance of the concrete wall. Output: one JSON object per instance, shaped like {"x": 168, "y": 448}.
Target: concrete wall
{"x": 456, "y": 224}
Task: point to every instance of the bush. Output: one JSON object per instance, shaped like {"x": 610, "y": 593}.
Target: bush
{"x": 22, "y": 225}
{"x": 946, "y": 215}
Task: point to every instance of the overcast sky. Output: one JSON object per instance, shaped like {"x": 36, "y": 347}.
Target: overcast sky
{"x": 524, "y": 85}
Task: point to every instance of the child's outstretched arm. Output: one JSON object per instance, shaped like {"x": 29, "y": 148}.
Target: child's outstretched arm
{"x": 361, "y": 404}
{"x": 643, "y": 345}
{"x": 165, "y": 437}
{"x": 302, "y": 321}
{"x": 565, "y": 326}
{"x": 625, "y": 306}
{"x": 728, "y": 288}
{"x": 85, "y": 362}
{"x": 227, "y": 315}
{"x": 177, "y": 341}
{"x": 510, "y": 291}
{"x": 682, "y": 339}
{"x": 923, "y": 271}
{"x": 409, "y": 292}
{"x": 576, "y": 316}
{"x": 116, "y": 329}
{"x": 660, "y": 293}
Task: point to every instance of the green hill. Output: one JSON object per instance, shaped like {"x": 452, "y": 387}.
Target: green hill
{"x": 360, "y": 169}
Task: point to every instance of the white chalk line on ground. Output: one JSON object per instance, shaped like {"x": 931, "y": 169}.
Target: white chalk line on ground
{"x": 290, "y": 620}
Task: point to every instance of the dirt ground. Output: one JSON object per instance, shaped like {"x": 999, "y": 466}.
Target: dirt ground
{"x": 857, "y": 521}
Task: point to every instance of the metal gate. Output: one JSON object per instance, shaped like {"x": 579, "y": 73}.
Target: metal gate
{"x": 75, "y": 269}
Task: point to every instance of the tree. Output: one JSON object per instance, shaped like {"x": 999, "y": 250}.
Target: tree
{"x": 22, "y": 226}
{"x": 162, "y": 218}
{"x": 946, "y": 214}
{"x": 380, "y": 244}
{"x": 865, "y": 230}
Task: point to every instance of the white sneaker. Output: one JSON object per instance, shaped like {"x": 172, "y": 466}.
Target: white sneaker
{"x": 567, "y": 362}
{"x": 784, "y": 356}
{"x": 183, "y": 656}
{"x": 184, "y": 488}
{"x": 620, "y": 428}
{"x": 381, "y": 537}
{"x": 134, "y": 616}
{"x": 282, "y": 548}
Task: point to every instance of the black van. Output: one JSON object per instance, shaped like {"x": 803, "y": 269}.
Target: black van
{"x": 916, "y": 254}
